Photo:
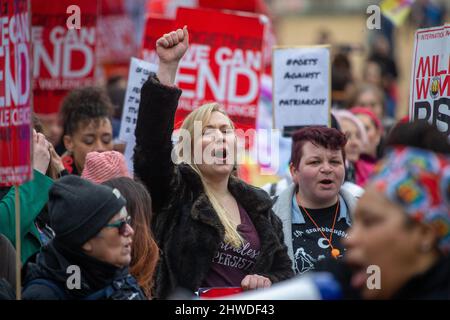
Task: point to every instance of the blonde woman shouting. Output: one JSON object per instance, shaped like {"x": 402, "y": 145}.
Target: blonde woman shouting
{"x": 214, "y": 230}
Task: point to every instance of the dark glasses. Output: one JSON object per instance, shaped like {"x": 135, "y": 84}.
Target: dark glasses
{"x": 121, "y": 225}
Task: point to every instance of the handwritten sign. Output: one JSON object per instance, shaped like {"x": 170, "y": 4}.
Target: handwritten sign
{"x": 138, "y": 74}
{"x": 301, "y": 87}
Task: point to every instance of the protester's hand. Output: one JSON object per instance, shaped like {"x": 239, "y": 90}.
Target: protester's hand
{"x": 172, "y": 46}
{"x": 41, "y": 154}
{"x": 55, "y": 159}
{"x": 170, "y": 49}
{"x": 254, "y": 281}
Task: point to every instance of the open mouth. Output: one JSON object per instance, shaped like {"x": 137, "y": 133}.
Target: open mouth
{"x": 326, "y": 182}
{"x": 220, "y": 154}
{"x": 359, "y": 275}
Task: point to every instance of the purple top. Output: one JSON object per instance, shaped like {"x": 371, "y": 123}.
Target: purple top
{"x": 230, "y": 265}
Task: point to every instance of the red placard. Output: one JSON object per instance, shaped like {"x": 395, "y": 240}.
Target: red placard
{"x": 218, "y": 292}
{"x": 64, "y": 58}
{"x": 15, "y": 92}
{"x": 116, "y": 34}
{"x": 258, "y": 6}
{"x": 155, "y": 27}
{"x": 112, "y": 7}
{"x": 223, "y": 63}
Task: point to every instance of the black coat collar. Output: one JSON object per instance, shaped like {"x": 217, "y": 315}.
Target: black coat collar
{"x": 432, "y": 284}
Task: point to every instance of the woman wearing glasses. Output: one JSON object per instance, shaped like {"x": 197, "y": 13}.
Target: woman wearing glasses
{"x": 144, "y": 250}
{"x": 88, "y": 258}
{"x": 214, "y": 230}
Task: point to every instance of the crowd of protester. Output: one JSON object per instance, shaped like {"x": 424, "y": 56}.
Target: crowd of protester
{"x": 367, "y": 191}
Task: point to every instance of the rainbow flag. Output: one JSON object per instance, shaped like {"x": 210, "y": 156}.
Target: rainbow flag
{"x": 396, "y": 10}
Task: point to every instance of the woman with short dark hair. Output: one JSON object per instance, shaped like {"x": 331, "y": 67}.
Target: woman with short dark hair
{"x": 315, "y": 210}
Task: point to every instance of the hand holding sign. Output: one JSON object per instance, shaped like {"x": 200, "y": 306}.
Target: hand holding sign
{"x": 170, "y": 49}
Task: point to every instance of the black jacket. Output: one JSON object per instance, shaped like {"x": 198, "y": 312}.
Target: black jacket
{"x": 186, "y": 227}
{"x": 433, "y": 284}
{"x": 48, "y": 276}
{"x": 7, "y": 261}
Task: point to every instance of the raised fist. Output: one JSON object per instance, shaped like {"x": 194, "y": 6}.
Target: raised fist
{"x": 172, "y": 46}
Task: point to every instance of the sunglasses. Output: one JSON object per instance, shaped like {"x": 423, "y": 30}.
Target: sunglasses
{"x": 121, "y": 225}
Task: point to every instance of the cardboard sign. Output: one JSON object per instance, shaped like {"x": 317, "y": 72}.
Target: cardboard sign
{"x": 430, "y": 77}
{"x": 64, "y": 58}
{"x": 301, "y": 87}
{"x": 223, "y": 63}
{"x": 15, "y": 93}
{"x": 139, "y": 72}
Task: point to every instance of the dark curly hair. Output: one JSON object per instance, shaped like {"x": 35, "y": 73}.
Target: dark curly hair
{"x": 328, "y": 138}
{"x": 83, "y": 105}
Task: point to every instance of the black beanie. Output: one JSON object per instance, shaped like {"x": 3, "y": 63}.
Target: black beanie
{"x": 79, "y": 209}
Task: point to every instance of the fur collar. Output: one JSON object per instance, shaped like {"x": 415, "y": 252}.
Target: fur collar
{"x": 254, "y": 200}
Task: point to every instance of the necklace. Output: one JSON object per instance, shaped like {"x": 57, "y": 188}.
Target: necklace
{"x": 334, "y": 251}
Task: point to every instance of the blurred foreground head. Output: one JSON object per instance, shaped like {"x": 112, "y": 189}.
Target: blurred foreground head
{"x": 402, "y": 222}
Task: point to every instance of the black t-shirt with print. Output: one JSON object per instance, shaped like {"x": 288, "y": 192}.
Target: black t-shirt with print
{"x": 308, "y": 242}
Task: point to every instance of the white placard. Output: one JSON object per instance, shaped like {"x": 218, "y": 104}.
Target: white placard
{"x": 138, "y": 74}
{"x": 301, "y": 87}
{"x": 430, "y": 77}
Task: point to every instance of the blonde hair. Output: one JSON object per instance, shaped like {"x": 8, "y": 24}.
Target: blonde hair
{"x": 203, "y": 114}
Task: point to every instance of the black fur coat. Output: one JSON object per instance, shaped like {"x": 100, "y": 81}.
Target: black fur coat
{"x": 186, "y": 227}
